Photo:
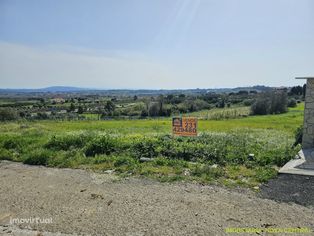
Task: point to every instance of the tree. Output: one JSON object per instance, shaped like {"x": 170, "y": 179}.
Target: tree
{"x": 270, "y": 103}
{"x": 72, "y": 107}
{"x": 80, "y": 110}
{"x": 8, "y": 114}
{"x": 296, "y": 90}
{"x": 221, "y": 103}
{"x": 42, "y": 115}
{"x": 109, "y": 107}
{"x": 144, "y": 112}
{"x": 154, "y": 109}
{"x": 99, "y": 112}
{"x": 279, "y": 102}
{"x": 243, "y": 92}
{"x": 161, "y": 103}
{"x": 261, "y": 106}
{"x": 169, "y": 98}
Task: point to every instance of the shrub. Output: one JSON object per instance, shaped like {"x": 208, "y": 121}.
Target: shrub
{"x": 292, "y": 102}
{"x": 120, "y": 161}
{"x": 13, "y": 142}
{"x": 65, "y": 142}
{"x": 38, "y": 157}
{"x": 102, "y": 145}
{"x": 263, "y": 174}
{"x": 208, "y": 172}
{"x": 145, "y": 147}
{"x": 162, "y": 161}
{"x": 125, "y": 164}
{"x": 186, "y": 150}
{"x": 5, "y": 154}
{"x": 71, "y": 159}
{"x": 248, "y": 102}
{"x": 7, "y": 114}
{"x": 298, "y": 135}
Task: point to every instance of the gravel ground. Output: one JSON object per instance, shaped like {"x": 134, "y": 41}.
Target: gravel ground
{"x": 84, "y": 203}
{"x": 290, "y": 188}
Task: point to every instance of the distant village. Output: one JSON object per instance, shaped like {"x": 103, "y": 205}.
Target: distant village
{"x": 97, "y": 105}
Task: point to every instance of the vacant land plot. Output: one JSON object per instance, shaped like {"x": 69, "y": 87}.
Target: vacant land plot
{"x": 86, "y": 203}
{"x": 245, "y": 151}
{"x": 285, "y": 122}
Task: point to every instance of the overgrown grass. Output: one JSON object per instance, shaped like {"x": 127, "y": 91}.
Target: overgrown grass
{"x": 220, "y": 153}
{"x": 222, "y": 114}
{"x": 285, "y": 122}
{"x": 205, "y": 158}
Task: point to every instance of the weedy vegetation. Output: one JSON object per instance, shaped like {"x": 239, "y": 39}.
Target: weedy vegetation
{"x": 221, "y": 154}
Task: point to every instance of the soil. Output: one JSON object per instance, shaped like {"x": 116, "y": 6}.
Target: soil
{"x": 290, "y": 188}
{"x": 81, "y": 202}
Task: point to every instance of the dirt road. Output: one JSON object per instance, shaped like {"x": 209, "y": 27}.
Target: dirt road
{"x": 79, "y": 202}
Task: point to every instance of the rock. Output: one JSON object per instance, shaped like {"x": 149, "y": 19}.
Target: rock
{"x": 145, "y": 159}
{"x": 96, "y": 196}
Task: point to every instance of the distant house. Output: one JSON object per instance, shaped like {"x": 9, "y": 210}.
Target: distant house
{"x": 57, "y": 100}
{"x": 62, "y": 112}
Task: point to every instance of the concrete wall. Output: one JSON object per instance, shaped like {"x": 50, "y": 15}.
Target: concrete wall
{"x": 308, "y": 131}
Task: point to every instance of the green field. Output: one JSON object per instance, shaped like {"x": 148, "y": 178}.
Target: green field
{"x": 287, "y": 122}
{"x": 219, "y": 154}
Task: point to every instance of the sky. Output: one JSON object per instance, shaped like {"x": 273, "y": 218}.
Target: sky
{"x": 155, "y": 44}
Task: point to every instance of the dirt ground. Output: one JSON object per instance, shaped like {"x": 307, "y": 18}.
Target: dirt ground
{"x": 79, "y": 202}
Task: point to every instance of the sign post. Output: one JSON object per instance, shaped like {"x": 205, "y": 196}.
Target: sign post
{"x": 184, "y": 126}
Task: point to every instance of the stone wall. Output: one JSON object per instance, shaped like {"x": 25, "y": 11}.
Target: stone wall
{"x": 308, "y": 131}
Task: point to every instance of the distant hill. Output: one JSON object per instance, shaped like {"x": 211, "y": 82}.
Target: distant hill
{"x": 52, "y": 89}
{"x": 63, "y": 89}
{"x": 67, "y": 89}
